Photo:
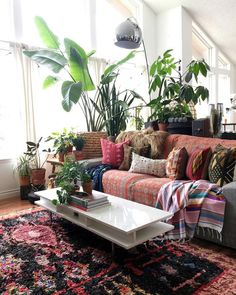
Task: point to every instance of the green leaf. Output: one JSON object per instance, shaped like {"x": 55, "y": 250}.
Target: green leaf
{"x": 203, "y": 69}
{"x": 49, "y": 81}
{"x": 188, "y": 77}
{"x": 71, "y": 93}
{"x": 53, "y": 60}
{"x": 46, "y": 35}
{"x": 91, "y": 53}
{"x": 78, "y": 64}
{"x": 54, "y": 202}
{"x": 111, "y": 68}
{"x": 153, "y": 69}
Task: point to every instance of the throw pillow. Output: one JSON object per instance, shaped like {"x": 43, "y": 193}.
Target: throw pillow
{"x": 112, "y": 153}
{"x": 222, "y": 165}
{"x": 147, "y": 166}
{"x": 176, "y": 163}
{"x": 128, "y": 150}
{"x": 197, "y": 165}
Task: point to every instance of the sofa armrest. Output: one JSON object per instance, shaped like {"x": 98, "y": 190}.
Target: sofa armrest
{"x": 92, "y": 162}
{"x": 229, "y": 191}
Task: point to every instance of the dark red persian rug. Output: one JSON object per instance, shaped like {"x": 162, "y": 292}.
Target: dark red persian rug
{"x": 40, "y": 257}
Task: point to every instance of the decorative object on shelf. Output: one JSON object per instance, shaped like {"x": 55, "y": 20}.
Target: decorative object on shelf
{"x": 174, "y": 92}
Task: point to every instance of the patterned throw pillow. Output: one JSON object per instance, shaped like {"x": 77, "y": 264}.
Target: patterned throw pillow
{"x": 112, "y": 153}
{"x": 128, "y": 150}
{"x": 176, "y": 163}
{"x": 222, "y": 165}
{"x": 147, "y": 166}
{"x": 198, "y": 162}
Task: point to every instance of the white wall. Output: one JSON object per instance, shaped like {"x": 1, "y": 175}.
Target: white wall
{"x": 8, "y": 181}
{"x": 149, "y": 32}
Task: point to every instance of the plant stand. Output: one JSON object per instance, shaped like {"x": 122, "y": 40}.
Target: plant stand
{"x": 24, "y": 191}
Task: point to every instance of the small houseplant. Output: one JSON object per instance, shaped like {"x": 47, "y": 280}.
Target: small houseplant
{"x": 68, "y": 179}
{"x": 36, "y": 167}
{"x": 173, "y": 88}
{"x": 23, "y": 169}
{"x": 87, "y": 183}
{"x": 62, "y": 142}
{"x": 78, "y": 143}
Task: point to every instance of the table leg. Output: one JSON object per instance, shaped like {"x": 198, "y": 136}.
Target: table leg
{"x": 112, "y": 249}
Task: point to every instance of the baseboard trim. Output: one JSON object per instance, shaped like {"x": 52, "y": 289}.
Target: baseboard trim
{"x": 9, "y": 194}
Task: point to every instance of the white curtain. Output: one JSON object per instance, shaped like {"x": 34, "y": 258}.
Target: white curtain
{"x": 24, "y": 67}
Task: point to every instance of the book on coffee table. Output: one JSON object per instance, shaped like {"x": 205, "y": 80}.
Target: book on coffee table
{"x": 89, "y": 207}
{"x": 88, "y": 200}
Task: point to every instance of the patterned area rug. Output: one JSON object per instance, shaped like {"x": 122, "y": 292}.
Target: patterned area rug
{"x": 40, "y": 257}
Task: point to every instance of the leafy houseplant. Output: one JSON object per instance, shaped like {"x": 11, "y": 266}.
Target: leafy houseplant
{"x": 111, "y": 104}
{"x": 87, "y": 183}
{"x": 62, "y": 142}
{"x": 73, "y": 61}
{"x": 23, "y": 169}
{"x": 78, "y": 143}
{"x": 174, "y": 92}
{"x": 67, "y": 179}
{"x": 37, "y": 170}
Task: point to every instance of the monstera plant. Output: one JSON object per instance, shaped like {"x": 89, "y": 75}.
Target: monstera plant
{"x": 72, "y": 59}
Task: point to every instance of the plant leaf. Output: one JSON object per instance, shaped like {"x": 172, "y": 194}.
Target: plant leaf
{"x": 49, "y": 81}
{"x": 71, "y": 93}
{"x": 53, "y": 60}
{"x": 78, "y": 64}
{"x": 46, "y": 35}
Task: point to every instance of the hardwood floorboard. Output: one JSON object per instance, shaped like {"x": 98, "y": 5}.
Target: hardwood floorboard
{"x": 14, "y": 204}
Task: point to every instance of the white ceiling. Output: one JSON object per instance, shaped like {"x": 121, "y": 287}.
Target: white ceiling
{"x": 216, "y": 17}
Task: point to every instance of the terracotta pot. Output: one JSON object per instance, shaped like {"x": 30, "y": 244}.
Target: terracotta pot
{"x": 38, "y": 176}
{"x": 162, "y": 126}
{"x": 24, "y": 180}
{"x": 61, "y": 157}
{"x": 69, "y": 149}
{"x": 87, "y": 187}
{"x": 78, "y": 155}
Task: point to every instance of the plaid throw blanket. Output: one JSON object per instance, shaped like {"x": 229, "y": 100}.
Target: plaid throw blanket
{"x": 194, "y": 203}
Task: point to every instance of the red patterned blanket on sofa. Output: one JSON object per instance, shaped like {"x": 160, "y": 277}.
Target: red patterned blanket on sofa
{"x": 194, "y": 203}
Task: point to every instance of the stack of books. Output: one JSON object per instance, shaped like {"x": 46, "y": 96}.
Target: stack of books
{"x": 88, "y": 202}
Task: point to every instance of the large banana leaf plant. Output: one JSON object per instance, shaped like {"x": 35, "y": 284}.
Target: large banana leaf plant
{"x": 71, "y": 59}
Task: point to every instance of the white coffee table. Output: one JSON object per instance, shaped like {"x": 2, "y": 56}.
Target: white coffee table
{"x": 124, "y": 223}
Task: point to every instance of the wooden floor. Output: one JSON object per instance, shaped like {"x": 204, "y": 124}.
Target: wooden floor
{"x": 13, "y": 205}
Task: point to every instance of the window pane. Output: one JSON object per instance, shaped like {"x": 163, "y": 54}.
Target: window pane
{"x": 6, "y": 28}
{"x": 65, "y": 18}
{"x": 11, "y": 126}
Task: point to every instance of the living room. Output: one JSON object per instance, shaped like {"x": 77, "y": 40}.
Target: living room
{"x": 192, "y": 29}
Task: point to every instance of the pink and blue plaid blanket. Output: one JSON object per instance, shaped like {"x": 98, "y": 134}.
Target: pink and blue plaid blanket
{"x": 193, "y": 203}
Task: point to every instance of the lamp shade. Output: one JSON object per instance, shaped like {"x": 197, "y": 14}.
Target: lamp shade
{"x": 128, "y": 35}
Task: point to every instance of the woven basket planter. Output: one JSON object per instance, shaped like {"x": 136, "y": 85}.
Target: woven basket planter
{"x": 92, "y": 148}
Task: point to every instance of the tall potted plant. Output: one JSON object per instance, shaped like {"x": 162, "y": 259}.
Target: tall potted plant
{"x": 173, "y": 88}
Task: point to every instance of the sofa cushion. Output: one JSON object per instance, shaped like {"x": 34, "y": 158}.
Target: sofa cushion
{"x": 176, "y": 163}
{"x": 142, "y": 151}
{"x": 112, "y": 153}
{"x": 222, "y": 164}
{"x": 156, "y": 139}
{"x": 148, "y": 166}
{"x": 140, "y": 188}
{"x": 197, "y": 166}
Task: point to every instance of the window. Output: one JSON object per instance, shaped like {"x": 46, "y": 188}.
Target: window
{"x": 223, "y": 63}
{"x": 10, "y": 105}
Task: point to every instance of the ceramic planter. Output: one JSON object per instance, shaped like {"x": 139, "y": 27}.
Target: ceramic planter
{"x": 38, "y": 176}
